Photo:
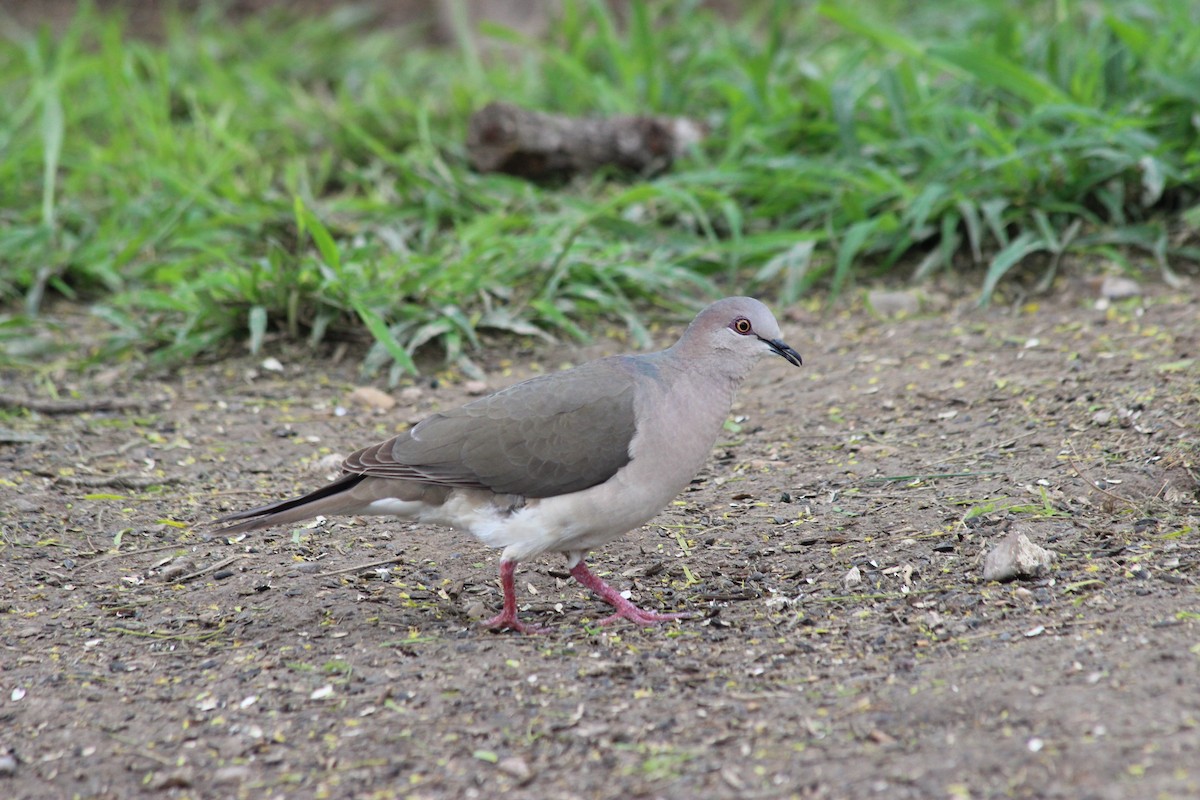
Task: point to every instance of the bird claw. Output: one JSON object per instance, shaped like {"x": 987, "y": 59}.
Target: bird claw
{"x": 509, "y": 622}
{"x": 640, "y": 616}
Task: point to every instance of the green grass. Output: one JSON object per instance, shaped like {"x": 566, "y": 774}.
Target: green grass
{"x": 308, "y": 176}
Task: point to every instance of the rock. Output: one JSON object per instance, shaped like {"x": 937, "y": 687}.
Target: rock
{"x": 372, "y": 398}
{"x": 328, "y": 464}
{"x": 411, "y": 394}
{"x": 516, "y": 767}
{"x": 26, "y": 506}
{"x": 9, "y": 436}
{"x": 8, "y": 765}
{"x": 475, "y": 388}
{"x": 893, "y": 303}
{"x": 1115, "y": 287}
{"x": 233, "y": 774}
{"x": 272, "y": 365}
{"x": 177, "y": 569}
{"x": 852, "y": 578}
{"x": 181, "y": 778}
{"x": 1016, "y": 557}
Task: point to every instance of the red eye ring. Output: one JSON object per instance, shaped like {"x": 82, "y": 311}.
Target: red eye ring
{"x": 742, "y": 325}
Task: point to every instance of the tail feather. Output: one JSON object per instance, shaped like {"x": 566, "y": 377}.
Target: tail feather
{"x": 332, "y": 498}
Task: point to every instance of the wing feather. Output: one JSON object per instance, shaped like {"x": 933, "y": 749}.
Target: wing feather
{"x": 547, "y": 436}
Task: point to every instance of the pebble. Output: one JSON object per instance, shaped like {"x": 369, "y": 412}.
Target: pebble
{"x": 887, "y": 303}
{"x": 372, "y": 398}
{"x": 177, "y": 570}
{"x": 515, "y": 766}
{"x": 176, "y": 779}
{"x": 852, "y": 578}
{"x": 330, "y": 463}
{"x": 1116, "y": 287}
{"x": 8, "y": 765}
{"x": 1016, "y": 557}
{"x": 234, "y": 774}
{"x": 475, "y": 388}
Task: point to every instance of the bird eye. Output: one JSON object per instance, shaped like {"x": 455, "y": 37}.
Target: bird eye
{"x": 741, "y": 325}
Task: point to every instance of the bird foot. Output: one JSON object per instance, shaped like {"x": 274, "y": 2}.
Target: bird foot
{"x": 509, "y": 622}
{"x": 625, "y": 609}
{"x": 640, "y": 616}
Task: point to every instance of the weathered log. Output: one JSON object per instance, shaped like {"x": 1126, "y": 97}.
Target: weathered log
{"x": 545, "y": 147}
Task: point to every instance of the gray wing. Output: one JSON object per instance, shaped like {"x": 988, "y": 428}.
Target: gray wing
{"x": 551, "y": 435}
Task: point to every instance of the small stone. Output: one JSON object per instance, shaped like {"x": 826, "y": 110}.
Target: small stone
{"x": 893, "y": 303}
{"x": 515, "y": 766}
{"x": 1115, "y": 287}
{"x": 1016, "y": 557}
{"x": 372, "y": 398}
{"x": 475, "y": 388}
{"x": 8, "y": 765}
{"x": 177, "y": 569}
{"x": 271, "y": 365}
{"x": 328, "y": 464}
{"x": 1102, "y": 417}
{"x": 175, "y": 779}
{"x": 852, "y": 578}
{"x": 228, "y": 775}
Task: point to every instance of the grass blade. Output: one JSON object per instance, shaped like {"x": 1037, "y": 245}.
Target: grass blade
{"x": 1017, "y": 250}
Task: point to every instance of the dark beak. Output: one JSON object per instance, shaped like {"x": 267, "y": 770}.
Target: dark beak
{"x": 782, "y": 349}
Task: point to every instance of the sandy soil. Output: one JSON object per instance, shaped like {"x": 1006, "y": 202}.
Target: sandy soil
{"x": 847, "y": 644}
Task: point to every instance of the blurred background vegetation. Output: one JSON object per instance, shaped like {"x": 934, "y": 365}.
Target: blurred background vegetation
{"x": 217, "y": 182}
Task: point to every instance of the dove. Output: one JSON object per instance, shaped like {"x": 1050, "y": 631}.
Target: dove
{"x": 561, "y": 463}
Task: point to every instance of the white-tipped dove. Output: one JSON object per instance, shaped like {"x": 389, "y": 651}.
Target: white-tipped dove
{"x": 564, "y": 462}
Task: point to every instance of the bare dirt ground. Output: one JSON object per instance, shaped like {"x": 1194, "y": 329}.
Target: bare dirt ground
{"x": 140, "y": 656}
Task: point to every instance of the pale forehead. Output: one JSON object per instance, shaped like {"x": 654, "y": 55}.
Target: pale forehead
{"x": 723, "y": 312}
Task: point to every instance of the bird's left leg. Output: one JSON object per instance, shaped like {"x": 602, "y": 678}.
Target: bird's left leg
{"x": 507, "y": 619}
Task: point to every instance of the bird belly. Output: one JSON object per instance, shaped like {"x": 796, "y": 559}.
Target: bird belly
{"x": 575, "y": 522}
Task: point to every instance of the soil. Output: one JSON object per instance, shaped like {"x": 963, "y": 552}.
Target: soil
{"x": 846, "y": 643}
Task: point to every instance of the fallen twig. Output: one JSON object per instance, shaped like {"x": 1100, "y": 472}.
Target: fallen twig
{"x": 1092, "y": 484}
{"x": 142, "y": 551}
{"x": 74, "y": 406}
{"x": 124, "y": 481}
{"x": 980, "y": 450}
{"x": 360, "y": 567}
{"x": 929, "y": 476}
{"x": 210, "y": 568}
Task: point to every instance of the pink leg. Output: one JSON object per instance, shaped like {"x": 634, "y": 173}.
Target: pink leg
{"x": 507, "y": 619}
{"x": 625, "y": 609}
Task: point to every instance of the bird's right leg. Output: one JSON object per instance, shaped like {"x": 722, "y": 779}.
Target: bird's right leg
{"x": 507, "y": 619}
{"x": 624, "y": 608}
